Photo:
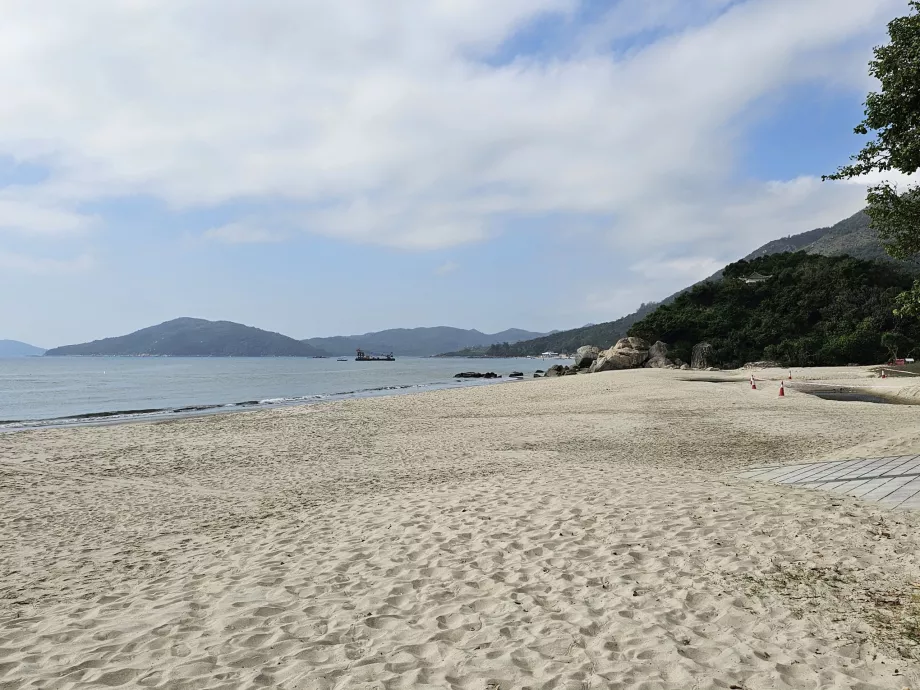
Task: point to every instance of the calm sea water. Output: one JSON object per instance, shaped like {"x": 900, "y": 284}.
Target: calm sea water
{"x": 51, "y": 391}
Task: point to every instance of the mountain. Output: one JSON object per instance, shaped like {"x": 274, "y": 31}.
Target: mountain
{"x": 14, "y": 348}
{"x": 811, "y": 310}
{"x": 194, "y": 338}
{"x": 569, "y": 341}
{"x": 851, "y": 237}
{"x": 418, "y": 342}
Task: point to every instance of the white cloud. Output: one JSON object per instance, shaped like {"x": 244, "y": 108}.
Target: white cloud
{"x": 382, "y": 123}
{"x": 44, "y": 266}
{"x": 38, "y": 219}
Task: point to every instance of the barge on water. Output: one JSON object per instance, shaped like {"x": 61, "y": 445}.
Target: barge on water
{"x": 366, "y": 357}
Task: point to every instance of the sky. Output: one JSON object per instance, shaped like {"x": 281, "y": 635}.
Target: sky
{"x": 320, "y": 168}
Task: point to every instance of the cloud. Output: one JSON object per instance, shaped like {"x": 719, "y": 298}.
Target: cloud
{"x": 36, "y": 219}
{"x": 446, "y": 268}
{"x": 387, "y": 123}
{"x": 44, "y": 266}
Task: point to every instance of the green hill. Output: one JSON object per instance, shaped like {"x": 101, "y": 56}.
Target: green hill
{"x": 194, "y": 338}
{"x": 813, "y": 310}
{"x": 569, "y": 341}
{"x": 851, "y": 237}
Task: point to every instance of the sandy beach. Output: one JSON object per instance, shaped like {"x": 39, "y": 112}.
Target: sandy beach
{"x": 582, "y": 532}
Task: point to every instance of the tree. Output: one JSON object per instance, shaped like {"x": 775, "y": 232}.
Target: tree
{"x": 893, "y": 341}
{"x": 893, "y": 114}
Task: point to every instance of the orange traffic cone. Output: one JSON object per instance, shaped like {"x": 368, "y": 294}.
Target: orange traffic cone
{"x": 782, "y": 390}
{"x": 753, "y": 385}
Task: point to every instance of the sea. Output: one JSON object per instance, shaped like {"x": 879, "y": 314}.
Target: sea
{"x": 38, "y": 392}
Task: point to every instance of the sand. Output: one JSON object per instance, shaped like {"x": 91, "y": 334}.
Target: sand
{"x": 583, "y": 532}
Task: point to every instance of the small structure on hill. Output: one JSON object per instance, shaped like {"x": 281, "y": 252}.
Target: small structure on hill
{"x": 755, "y": 277}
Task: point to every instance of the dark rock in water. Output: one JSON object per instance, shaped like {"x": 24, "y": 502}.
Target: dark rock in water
{"x": 516, "y": 374}
{"x": 476, "y": 375}
{"x": 538, "y": 376}
{"x": 539, "y": 371}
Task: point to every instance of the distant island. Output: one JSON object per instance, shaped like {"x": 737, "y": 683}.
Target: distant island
{"x": 15, "y": 348}
{"x": 186, "y": 337}
{"x": 419, "y": 342}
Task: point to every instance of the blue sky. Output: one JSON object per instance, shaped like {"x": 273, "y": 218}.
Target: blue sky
{"x": 319, "y": 169}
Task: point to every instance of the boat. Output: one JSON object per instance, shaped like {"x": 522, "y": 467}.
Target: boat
{"x": 342, "y": 359}
{"x": 367, "y": 357}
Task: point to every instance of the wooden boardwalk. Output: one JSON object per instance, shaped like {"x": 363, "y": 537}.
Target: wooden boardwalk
{"x": 893, "y": 482}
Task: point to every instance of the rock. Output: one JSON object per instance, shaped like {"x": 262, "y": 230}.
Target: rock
{"x": 628, "y": 353}
{"x": 658, "y": 350}
{"x": 658, "y": 357}
{"x": 702, "y": 353}
{"x": 570, "y": 372}
{"x": 540, "y": 371}
{"x": 585, "y": 356}
{"x": 763, "y": 365}
{"x": 538, "y": 376}
{"x": 713, "y": 369}
{"x": 476, "y": 375}
{"x": 555, "y": 370}
{"x": 516, "y": 375}
{"x": 684, "y": 367}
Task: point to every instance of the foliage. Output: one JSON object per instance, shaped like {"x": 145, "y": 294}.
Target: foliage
{"x": 812, "y": 311}
{"x": 909, "y": 302}
{"x": 893, "y": 114}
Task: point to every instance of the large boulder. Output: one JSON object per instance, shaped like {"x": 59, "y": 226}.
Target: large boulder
{"x": 701, "y": 356}
{"x": 555, "y": 370}
{"x": 628, "y": 353}
{"x": 658, "y": 357}
{"x": 585, "y": 356}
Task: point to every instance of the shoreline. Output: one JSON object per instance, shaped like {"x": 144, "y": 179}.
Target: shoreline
{"x": 588, "y": 530}
{"x": 155, "y": 415}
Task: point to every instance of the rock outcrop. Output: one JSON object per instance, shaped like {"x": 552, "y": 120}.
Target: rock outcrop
{"x": 476, "y": 375}
{"x": 628, "y": 353}
{"x": 586, "y": 356}
{"x": 702, "y": 354}
{"x": 658, "y": 357}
